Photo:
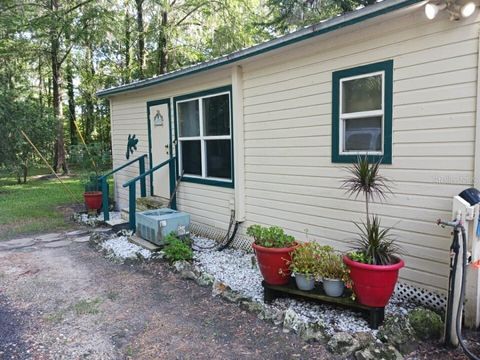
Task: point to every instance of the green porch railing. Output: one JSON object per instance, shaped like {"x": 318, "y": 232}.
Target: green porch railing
{"x": 132, "y": 196}
{"x": 103, "y": 181}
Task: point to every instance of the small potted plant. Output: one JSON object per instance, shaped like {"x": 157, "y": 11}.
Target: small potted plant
{"x": 273, "y": 249}
{"x": 305, "y": 264}
{"x": 334, "y": 273}
{"x": 374, "y": 263}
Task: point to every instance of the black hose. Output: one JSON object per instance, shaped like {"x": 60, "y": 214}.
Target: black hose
{"x": 448, "y": 321}
{"x": 469, "y": 354}
{"x": 224, "y": 246}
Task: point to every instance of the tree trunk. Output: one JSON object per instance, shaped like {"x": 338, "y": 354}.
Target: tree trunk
{"x": 60, "y": 156}
{"x": 128, "y": 35}
{"x": 162, "y": 45}
{"x": 89, "y": 100}
{"x": 141, "y": 38}
{"x": 71, "y": 102}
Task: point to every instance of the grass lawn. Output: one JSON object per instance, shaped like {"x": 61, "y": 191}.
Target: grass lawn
{"x": 35, "y": 207}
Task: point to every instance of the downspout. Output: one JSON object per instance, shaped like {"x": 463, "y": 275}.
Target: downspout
{"x": 239, "y": 142}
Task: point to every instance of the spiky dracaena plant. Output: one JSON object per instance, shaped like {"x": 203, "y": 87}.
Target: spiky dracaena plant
{"x": 376, "y": 244}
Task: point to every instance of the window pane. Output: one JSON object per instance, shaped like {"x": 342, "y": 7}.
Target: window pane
{"x": 216, "y": 115}
{"x": 362, "y": 94}
{"x": 219, "y": 159}
{"x": 188, "y": 121}
{"x": 363, "y": 134}
{"x": 191, "y": 157}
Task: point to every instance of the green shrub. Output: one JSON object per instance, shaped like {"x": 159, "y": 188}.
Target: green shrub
{"x": 270, "y": 237}
{"x": 176, "y": 249}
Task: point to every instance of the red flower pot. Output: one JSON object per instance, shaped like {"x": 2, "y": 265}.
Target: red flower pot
{"x": 93, "y": 200}
{"x": 373, "y": 284}
{"x": 273, "y": 263}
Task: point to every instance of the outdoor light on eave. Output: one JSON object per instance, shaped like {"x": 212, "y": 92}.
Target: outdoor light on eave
{"x": 456, "y": 11}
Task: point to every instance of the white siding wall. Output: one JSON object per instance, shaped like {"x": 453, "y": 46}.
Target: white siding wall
{"x": 290, "y": 180}
{"x": 206, "y": 204}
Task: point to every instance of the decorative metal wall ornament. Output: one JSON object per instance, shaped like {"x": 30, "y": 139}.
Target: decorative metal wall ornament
{"x": 158, "y": 119}
{"x": 131, "y": 145}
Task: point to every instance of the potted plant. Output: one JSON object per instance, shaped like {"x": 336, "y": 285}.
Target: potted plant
{"x": 304, "y": 265}
{"x": 273, "y": 249}
{"x": 334, "y": 273}
{"x": 93, "y": 194}
{"x": 374, "y": 261}
{"x": 90, "y": 159}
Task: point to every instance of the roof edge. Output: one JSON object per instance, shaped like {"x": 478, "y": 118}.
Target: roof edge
{"x": 327, "y": 26}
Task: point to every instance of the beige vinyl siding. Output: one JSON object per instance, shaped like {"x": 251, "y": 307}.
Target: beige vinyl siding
{"x": 290, "y": 179}
{"x": 206, "y": 204}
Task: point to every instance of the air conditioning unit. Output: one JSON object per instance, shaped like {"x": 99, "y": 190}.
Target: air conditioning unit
{"x": 155, "y": 225}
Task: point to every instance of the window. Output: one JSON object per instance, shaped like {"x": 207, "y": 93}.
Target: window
{"x": 362, "y": 113}
{"x": 205, "y": 137}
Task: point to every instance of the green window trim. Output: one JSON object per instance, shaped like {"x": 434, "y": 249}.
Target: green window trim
{"x": 201, "y": 180}
{"x": 387, "y": 68}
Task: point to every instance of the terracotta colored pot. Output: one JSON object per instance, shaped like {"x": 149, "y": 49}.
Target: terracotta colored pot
{"x": 273, "y": 263}
{"x": 373, "y": 284}
{"x": 93, "y": 200}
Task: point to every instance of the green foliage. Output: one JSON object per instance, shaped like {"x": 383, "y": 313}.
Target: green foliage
{"x": 331, "y": 266}
{"x": 270, "y": 237}
{"x": 374, "y": 245}
{"x": 306, "y": 258}
{"x": 177, "y": 249}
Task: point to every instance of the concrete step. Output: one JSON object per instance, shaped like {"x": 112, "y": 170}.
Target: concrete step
{"x": 151, "y": 203}
{"x": 143, "y": 243}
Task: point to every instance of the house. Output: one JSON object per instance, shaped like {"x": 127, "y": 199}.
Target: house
{"x": 267, "y": 131}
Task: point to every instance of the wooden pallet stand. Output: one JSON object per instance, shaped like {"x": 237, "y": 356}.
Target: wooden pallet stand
{"x": 272, "y": 292}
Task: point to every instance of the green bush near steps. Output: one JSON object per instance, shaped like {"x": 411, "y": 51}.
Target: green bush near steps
{"x": 426, "y": 324}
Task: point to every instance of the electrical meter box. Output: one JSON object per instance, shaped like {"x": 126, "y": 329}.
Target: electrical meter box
{"x": 155, "y": 225}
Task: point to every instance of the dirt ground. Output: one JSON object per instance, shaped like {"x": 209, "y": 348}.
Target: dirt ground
{"x": 71, "y": 303}
{"x": 60, "y": 299}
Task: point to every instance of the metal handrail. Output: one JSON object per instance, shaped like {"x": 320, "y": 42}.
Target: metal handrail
{"x": 132, "y": 197}
{"x": 104, "y": 184}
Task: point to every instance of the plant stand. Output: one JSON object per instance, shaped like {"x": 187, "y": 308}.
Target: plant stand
{"x": 272, "y": 292}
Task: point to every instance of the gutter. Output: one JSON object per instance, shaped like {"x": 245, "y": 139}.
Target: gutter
{"x": 324, "y": 27}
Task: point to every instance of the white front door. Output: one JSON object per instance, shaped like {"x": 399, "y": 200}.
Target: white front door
{"x": 159, "y": 116}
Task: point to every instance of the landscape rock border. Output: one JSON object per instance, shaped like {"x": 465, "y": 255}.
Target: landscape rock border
{"x": 392, "y": 341}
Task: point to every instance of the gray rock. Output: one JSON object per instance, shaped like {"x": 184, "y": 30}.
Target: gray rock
{"x": 272, "y": 314}
{"x": 78, "y": 232}
{"x": 182, "y": 265}
{"x": 379, "y": 351}
{"x": 17, "y": 243}
{"x": 365, "y": 339}
{"x": 205, "y": 279}
{"x": 57, "y": 244}
{"x": 314, "y": 332}
{"x": 397, "y": 331}
{"x": 50, "y": 237}
{"x": 426, "y": 324}
{"x": 293, "y": 321}
{"x": 97, "y": 238}
{"x": 343, "y": 344}
{"x": 251, "y": 306}
{"x": 82, "y": 239}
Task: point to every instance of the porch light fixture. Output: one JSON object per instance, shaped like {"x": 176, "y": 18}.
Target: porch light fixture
{"x": 431, "y": 10}
{"x": 468, "y": 9}
{"x": 456, "y": 11}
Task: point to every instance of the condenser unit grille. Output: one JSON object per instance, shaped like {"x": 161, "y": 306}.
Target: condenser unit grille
{"x": 155, "y": 225}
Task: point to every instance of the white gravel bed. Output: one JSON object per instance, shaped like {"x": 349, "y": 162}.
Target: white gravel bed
{"x": 83, "y": 218}
{"x": 120, "y": 247}
{"x": 239, "y": 271}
